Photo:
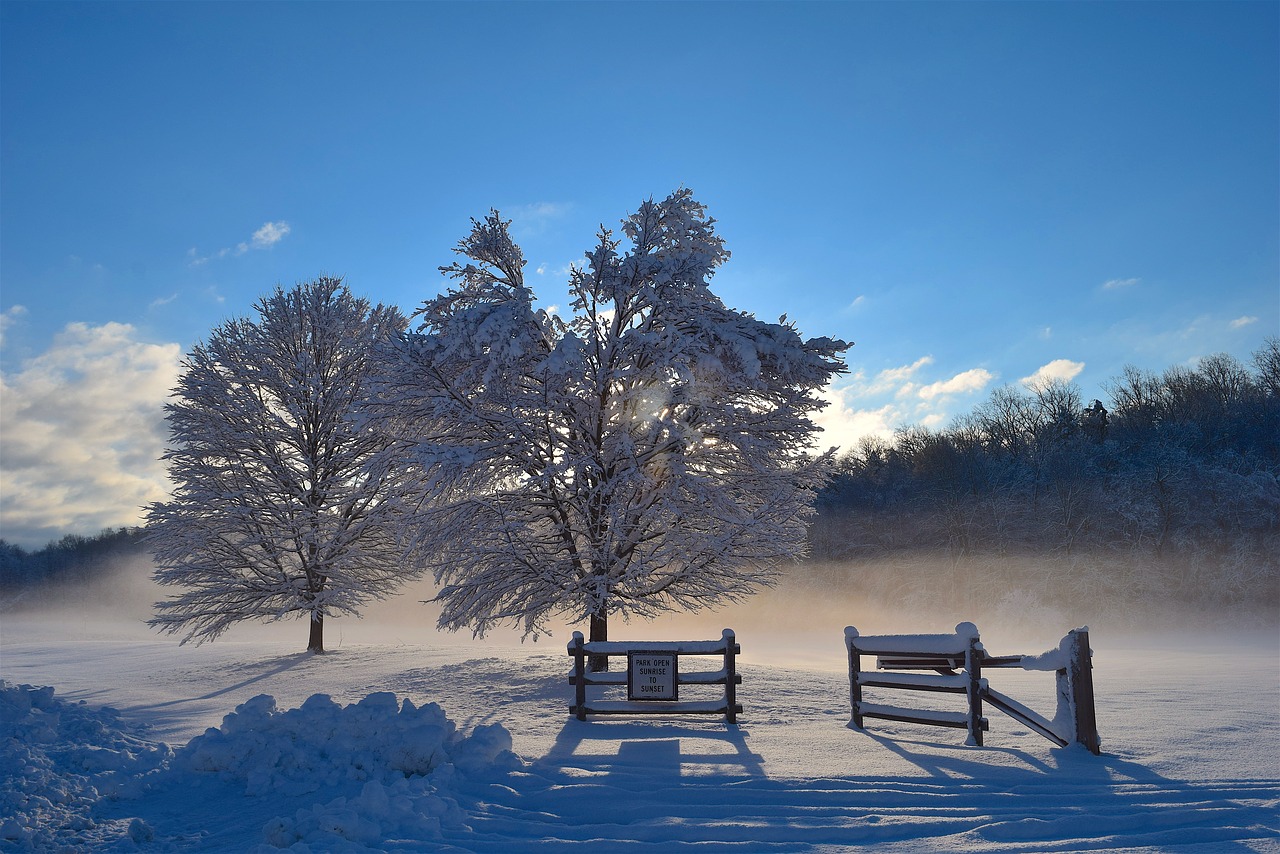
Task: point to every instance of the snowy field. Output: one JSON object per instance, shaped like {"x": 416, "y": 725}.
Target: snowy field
{"x": 1189, "y": 726}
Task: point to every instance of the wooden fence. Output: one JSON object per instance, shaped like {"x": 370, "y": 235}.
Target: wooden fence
{"x": 958, "y": 662}
{"x": 653, "y": 667}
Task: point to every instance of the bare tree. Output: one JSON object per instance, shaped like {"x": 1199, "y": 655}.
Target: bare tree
{"x": 282, "y": 504}
{"x": 647, "y": 454}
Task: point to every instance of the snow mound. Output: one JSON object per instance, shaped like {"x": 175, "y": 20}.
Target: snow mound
{"x": 57, "y": 761}
{"x": 374, "y": 770}
{"x": 321, "y": 743}
{"x": 403, "y": 757}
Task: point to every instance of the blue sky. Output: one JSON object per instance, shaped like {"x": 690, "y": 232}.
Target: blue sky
{"x": 971, "y": 192}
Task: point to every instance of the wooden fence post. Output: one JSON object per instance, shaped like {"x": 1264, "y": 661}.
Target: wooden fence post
{"x": 730, "y": 675}
{"x": 973, "y": 666}
{"x": 579, "y": 676}
{"x": 1080, "y": 679}
{"x": 855, "y": 665}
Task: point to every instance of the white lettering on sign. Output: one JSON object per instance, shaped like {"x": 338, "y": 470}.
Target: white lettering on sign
{"x": 652, "y": 676}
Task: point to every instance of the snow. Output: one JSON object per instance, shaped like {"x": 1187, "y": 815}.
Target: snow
{"x": 425, "y": 742}
{"x": 951, "y": 644}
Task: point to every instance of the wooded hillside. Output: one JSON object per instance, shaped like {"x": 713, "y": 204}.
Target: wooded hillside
{"x": 1169, "y": 490}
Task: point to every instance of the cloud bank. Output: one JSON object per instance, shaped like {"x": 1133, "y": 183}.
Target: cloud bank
{"x": 83, "y": 427}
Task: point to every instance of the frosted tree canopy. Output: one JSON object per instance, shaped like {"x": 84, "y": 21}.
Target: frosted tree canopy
{"x": 647, "y": 452}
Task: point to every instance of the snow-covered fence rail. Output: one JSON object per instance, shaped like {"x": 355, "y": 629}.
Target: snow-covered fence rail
{"x": 653, "y": 677}
{"x": 958, "y": 661}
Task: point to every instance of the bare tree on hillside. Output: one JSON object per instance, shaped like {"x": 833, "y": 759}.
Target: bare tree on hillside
{"x": 646, "y": 454}
{"x": 282, "y": 505}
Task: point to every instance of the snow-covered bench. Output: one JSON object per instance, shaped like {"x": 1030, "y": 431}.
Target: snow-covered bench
{"x": 661, "y": 659}
{"x": 958, "y": 661}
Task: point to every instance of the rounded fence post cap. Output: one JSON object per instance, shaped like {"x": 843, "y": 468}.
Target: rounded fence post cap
{"x": 850, "y": 632}
{"x": 577, "y": 636}
{"x": 967, "y": 630}
{"x": 726, "y": 633}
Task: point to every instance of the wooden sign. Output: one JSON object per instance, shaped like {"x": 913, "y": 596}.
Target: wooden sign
{"x": 652, "y": 676}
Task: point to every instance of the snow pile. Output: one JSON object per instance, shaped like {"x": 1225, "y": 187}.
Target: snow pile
{"x": 322, "y": 743}
{"x": 404, "y": 757}
{"x": 57, "y": 761}
{"x": 364, "y": 773}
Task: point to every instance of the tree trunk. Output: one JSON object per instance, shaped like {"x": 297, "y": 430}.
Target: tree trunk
{"x": 599, "y": 632}
{"x": 316, "y": 642}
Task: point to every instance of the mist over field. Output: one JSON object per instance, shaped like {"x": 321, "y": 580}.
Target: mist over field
{"x": 1019, "y": 604}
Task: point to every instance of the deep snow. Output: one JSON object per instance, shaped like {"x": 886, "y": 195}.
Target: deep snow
{"x": 411, "y": 753}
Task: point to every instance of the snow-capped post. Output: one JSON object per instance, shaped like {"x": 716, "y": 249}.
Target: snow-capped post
{"x": 855, "y": 687}
{"x": 974, "y": 689}
{"x": 579, "y": 677}
{"x": 283, "y": 505}
{"x": 1080, "y": 678}
{"x": 730, "y": 675}
{"x": 647, "y": 451}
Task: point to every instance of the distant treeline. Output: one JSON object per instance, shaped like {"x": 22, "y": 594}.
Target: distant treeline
{"x": 1169, "y": 490}
{"x": 71, "y": 559}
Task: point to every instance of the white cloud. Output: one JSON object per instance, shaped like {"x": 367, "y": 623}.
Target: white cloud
{"x": 1046, "y": 333}
{"x": 270, "y": 234}
{"x": 265, "y": 237}
{"x": 891, "y": 377}
{"x": 1117, "y": 284}
{"x": 8, "y": 318}
{"x": 843, "y": 425}
{"x": 966, "y": 382}
{"x": 1241, "y": 322}
{"x": 857, "y": 303}
{"x": 893, "y": 398}
{"x": 83, "y": 427}
{"x": 159, "y": 301}
{"x": 1059, "y": 369}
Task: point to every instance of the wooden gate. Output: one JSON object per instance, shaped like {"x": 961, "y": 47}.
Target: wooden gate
{"x": 957, "y": 662}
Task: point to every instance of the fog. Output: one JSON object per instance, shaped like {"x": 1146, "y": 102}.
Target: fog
{"x": 800, "y": 623}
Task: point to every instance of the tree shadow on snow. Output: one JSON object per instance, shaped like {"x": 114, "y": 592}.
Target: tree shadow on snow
{"x": 270, "y": 667}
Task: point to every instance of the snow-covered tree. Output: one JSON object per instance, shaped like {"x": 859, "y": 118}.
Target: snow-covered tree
{"x": 647, "y": 453}
{"x": 282, "y": 504}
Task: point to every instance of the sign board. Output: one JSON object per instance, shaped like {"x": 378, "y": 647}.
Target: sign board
{"x": 651, "y": 676}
